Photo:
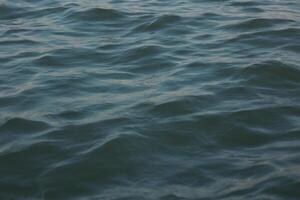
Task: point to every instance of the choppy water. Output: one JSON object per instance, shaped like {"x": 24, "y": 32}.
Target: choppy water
{"x": 153, "y": 99}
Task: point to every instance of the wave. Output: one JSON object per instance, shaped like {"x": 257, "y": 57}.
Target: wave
{"x": 96, "y": 14}
{"x": 273, "y": 72}
{"x": 258, "y": 23}
{"x": 8, "y": 11}
{"x": 23, "y": 126}
{"x": 159, "y": 23}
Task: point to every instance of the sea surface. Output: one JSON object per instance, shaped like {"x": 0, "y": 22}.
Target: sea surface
{"x": 150, "y": 99}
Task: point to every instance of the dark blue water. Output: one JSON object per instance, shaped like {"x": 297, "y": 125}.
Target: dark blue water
{"x": 153, "y": 99}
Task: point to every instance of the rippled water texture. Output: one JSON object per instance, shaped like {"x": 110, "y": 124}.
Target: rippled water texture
{"x": 150, "y": 99}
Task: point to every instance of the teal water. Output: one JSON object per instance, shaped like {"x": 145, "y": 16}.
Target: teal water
{"x": 153, "y": 99}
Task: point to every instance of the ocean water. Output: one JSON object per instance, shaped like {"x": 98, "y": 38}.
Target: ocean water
{"x": 150, "y": 100}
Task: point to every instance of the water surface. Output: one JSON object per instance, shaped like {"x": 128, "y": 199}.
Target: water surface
{"x": 169, "y": 100}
